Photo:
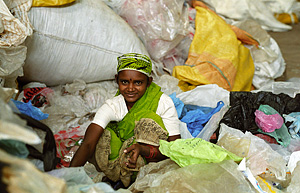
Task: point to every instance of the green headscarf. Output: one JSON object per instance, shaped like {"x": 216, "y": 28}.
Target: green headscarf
{"x": 134, "y": 61}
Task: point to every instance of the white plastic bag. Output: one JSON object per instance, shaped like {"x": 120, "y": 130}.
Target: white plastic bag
{"x": 207, "y": 96}
{"x": 20, "y": 175}
{"x": 14, "y": 29}
{"x": 75, "y": 104}
{"x": 249, "y": 9}
{"x": 16, "y": 26}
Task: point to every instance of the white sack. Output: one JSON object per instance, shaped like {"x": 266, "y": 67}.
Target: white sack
{"x": 80, "y": 41}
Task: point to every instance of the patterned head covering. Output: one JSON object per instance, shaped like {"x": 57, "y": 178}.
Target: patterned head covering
{"x": 133, "y": 61}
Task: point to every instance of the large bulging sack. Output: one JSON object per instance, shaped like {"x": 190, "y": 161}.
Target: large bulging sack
{"x": 80, "y": 41}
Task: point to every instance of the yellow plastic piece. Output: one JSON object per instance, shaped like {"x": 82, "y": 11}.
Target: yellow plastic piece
{"x": 287, "y": 18}
{"x": 216, "y": 56}
{"x": 50, "y": 3}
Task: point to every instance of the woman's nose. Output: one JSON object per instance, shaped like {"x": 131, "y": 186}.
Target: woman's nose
{"x": 130, "y": 86}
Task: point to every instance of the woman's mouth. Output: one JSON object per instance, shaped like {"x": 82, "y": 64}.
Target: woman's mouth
{"x": 130, "y": 94}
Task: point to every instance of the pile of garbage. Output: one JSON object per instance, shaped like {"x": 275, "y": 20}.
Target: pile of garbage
{"x": 240, "y": 129}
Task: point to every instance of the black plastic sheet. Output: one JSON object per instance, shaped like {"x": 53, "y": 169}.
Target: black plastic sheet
{"x": 243, "y": 105}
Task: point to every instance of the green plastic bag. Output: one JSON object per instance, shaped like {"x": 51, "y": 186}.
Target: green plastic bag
{"x": 195, "y": 151}
{"x": 14, "y": 147}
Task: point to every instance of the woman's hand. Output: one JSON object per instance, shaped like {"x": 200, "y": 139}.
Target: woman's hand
{"x": 134, "y": 151}
{"x": 145, "y": 150}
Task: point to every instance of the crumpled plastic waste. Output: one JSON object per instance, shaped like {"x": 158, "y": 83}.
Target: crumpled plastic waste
{"x": 294, "y": 128}
{"x": 67, "y": 142}
{"x": 193, "y": 115}
{"x": 281, "y": 135}
{"x": 20, "y": 175}
{"x": 204, "y": 177}
{"x": 295, "y": 181}
{"x": 268, "y": 123}
{"x": 14, "y": 147}
{"x": 243, "y": 105}
{"x": 30, "y": 110}
{"x": 260, "y": 156}
{"x": 194, "y": 151}
{"x": 178, "y": 104}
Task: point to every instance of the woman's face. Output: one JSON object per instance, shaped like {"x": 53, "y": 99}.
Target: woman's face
{"x": 132, "y": 85}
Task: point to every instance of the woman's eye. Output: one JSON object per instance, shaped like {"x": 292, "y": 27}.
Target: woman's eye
{"x": 138, "y": 83}
{"x": 124, "y": 81}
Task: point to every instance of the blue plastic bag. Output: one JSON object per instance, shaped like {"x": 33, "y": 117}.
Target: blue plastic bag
{"x": 194, "y": 116}
{"x": 294, "y": 128}
{"x": 30, "y": 110}
{"x": 178, "y": 103}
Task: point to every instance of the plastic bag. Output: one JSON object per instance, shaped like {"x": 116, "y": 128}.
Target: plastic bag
{"x": 290, "y": 88}
{"x": 294, "y": 128}
{"x": 249, "y": 9}
{"x": 243, "y": 105}
{"x": 30, "y": 110}
{"x": 231, "y": 67}
{"x": 268, "y": 60}
{"x": 67, "y": 143}
{"x": 162, "y": 26}
{"x": 194, "y": 151}
{"x": 68, "y": 110}
{"x": 45, "y": 3}
{"x": 268, "y": 123}
{"x": 36, "y": 93}
{"x": 294, "y": 159}
{"x": 281, "y": 135}
{"x": 196, "y": 117}
{"x": 72, "y": 176}
{"x": 13, "y": 147}
{"x": 210, "y": 95}
{"x": 14, "y": 28}
{"x": 168, "y": 84}
{"x": 23, "y": 176}
{"x": 295, "y": 181}
{"x": 260, "y": 156}
{"x": 12, "y": 127}
{"x": 205, "y": 177}
{"x": 48, "y": 152}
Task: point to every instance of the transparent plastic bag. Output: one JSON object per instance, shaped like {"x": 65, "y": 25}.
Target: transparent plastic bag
{"x": 161, "y": 25}
{"x": 294, "y": 186}
{"x": 261, "y": 157}
{"x": 209, "y": 177}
